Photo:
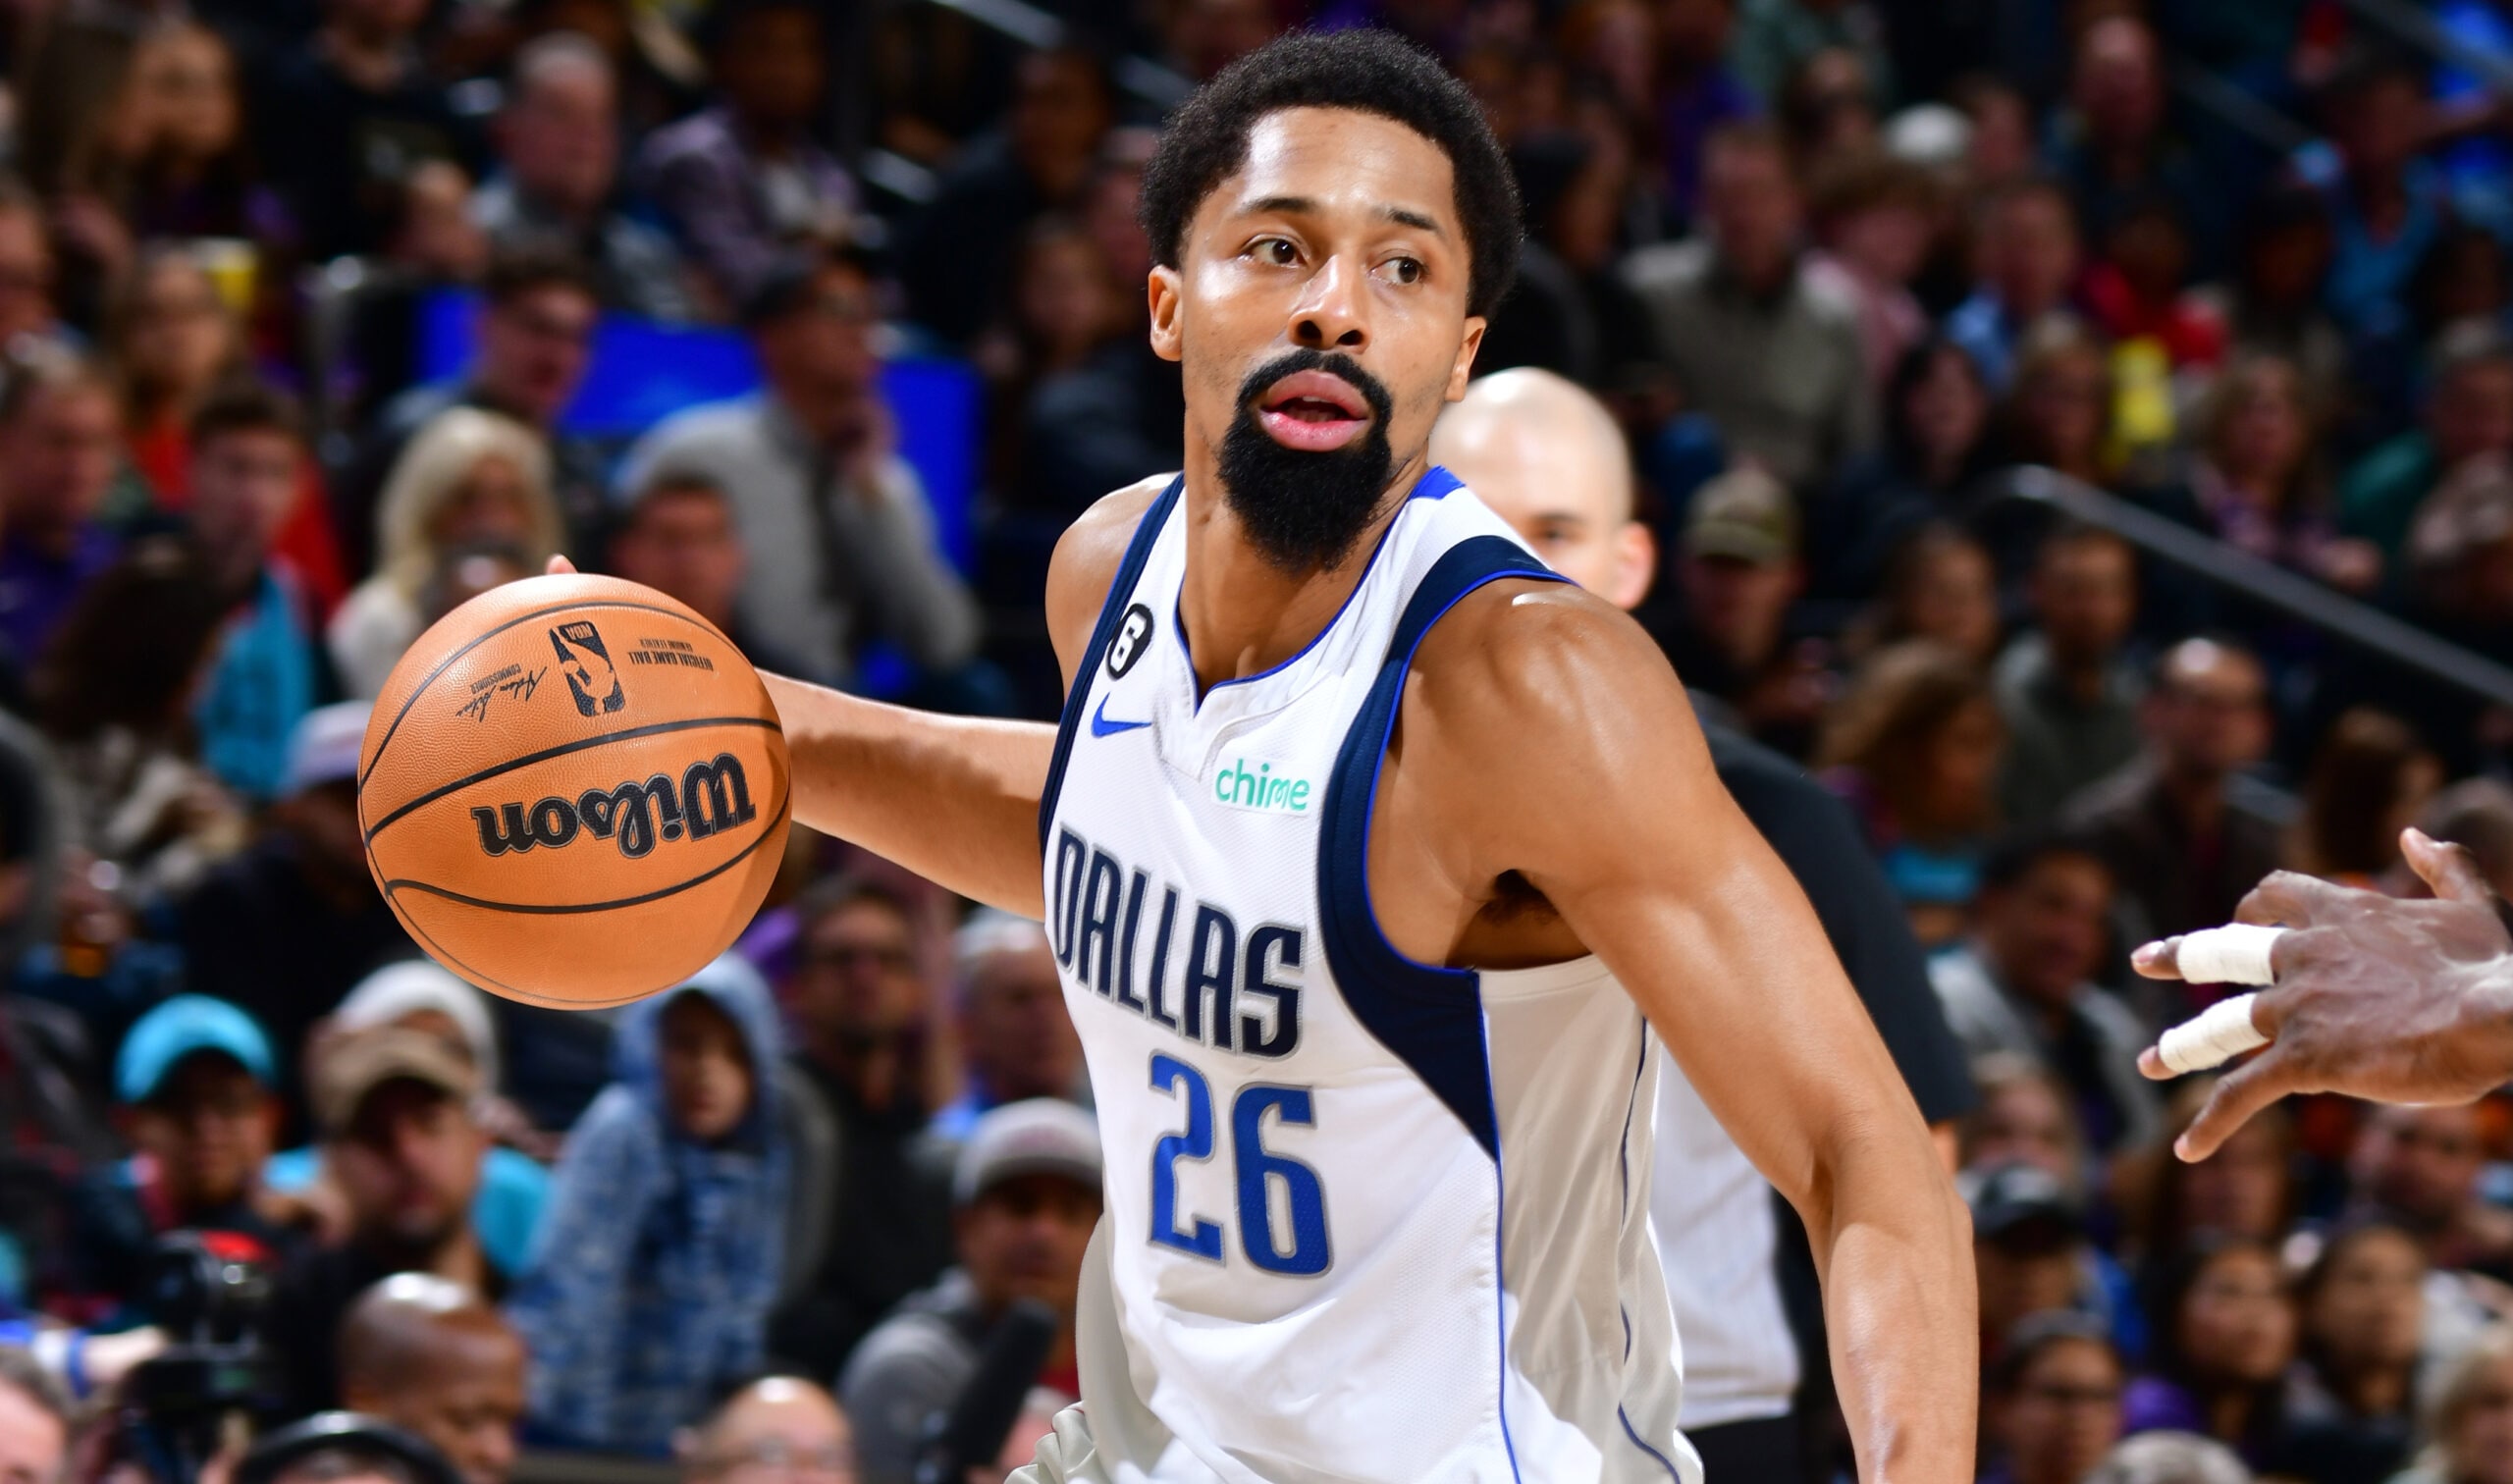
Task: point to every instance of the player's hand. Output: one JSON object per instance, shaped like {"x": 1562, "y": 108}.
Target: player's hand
{"x": 560, "y": 567}
{"x": 2398, "y": 1001}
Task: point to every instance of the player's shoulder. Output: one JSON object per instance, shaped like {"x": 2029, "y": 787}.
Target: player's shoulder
{"x": 1087, "y": 556}
{"x": 1524, "y": 656}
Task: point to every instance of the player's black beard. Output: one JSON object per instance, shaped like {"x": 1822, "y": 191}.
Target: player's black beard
{"x": 1304, "y": 511}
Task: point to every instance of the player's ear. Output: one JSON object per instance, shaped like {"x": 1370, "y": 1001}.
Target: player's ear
{"x": 1635, "y": 564}
{"x": 1466, "y": 349}
{"x": 1161, "y": 290}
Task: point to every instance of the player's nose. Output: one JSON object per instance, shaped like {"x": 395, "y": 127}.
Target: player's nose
{"x": 1331, "y": 312}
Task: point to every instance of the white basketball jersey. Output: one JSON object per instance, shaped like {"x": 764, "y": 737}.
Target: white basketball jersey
{"x": 1367, "y": 1218}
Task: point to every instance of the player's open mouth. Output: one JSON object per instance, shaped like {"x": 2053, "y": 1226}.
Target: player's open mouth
{"x": 1313, "y": 412}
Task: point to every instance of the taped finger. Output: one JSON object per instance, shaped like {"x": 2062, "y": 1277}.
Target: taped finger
{"x": 2235, "y": 955}
{"x": 2223, "y": 1032}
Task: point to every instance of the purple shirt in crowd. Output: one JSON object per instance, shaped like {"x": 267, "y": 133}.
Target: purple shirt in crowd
{"x": 37, "y": 588}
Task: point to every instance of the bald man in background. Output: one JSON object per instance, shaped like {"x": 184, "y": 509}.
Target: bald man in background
{"x": 777, "y": 1430}
{"x": 431, "y": 1355}
{"x": 1549, "y": 460}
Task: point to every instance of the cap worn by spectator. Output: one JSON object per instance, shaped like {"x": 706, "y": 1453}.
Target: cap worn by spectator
{"x": 325, "y": 747}
{"x": 2020, "y": 1200}
{"x": 366, "y": 1061}
{"x": 794, "y": 282}
{"x": 1042, "y": 1136}
{"x": 180, "y": 1028}
{"x": 1745, "y": 516}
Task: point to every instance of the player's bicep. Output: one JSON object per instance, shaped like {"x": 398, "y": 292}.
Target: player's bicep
{"x": 1085, "y": 563}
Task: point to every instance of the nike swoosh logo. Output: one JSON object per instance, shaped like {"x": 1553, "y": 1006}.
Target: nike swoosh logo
{"x": 1101, "y": 726}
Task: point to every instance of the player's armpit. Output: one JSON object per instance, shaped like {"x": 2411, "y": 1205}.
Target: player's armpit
{"x": 1612, "y": 809}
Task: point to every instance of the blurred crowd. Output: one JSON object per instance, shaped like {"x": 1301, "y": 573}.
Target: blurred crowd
{"x": 311, "y": 310}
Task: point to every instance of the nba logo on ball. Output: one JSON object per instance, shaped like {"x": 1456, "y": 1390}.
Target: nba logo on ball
{"x": 574, "y": 855}
{"x": 580, "y": 650}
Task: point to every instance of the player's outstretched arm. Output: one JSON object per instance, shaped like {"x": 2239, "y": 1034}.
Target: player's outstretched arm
{"x": 2398, "y": 1001}
{"x": 1615, "y": 812}
{"x": 954, "y": 799}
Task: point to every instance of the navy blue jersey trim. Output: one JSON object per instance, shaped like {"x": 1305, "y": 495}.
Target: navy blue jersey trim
{"x": 1427, "y": 1014}
{"x": 1111, "y": 614}
{"x": 1638, "y": 1442}
{"x": 1436, "y": 483}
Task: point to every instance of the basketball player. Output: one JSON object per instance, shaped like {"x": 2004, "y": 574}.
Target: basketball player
{"x": 2396, "y": 1002}
{"x": 1361, "y": 840}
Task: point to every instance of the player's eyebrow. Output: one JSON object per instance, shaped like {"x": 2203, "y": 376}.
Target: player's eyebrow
{"x": 1290, "y": 205}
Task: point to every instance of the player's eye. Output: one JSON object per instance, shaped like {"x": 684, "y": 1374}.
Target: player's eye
{"x": 1405, "y": 270}
{"x": 1278, "y": 251}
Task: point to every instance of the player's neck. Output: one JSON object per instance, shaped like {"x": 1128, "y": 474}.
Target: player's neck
{"x": 1244, "y": 614}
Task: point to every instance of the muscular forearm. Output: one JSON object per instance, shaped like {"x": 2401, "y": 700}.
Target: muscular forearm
{"x": 954, "y": 799}
{"x": 1895, "y": 1254}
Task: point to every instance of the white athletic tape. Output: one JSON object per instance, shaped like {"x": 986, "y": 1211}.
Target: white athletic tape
{"x": 2234, "y": 955}
{"x": 2221, "y": 1032}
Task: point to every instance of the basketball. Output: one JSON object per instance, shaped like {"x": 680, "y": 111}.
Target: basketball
{"x": 573, "y": 791}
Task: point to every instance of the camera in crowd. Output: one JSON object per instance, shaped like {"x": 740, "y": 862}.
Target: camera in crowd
{"x": 209, "y": 1291}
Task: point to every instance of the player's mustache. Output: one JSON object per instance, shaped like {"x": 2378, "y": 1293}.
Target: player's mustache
{"x": 1334, "y": 363}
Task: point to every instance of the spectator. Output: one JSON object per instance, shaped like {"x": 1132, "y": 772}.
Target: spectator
{"x": 1019, "y": 1043}
{"x": 558, "y": 139}
{"x": 188, "y": 175}
{"x": 2419, "y": 1169}
{"x": 2183, "y": 835}
{"x": 35, "y": 1431}
{"x": 2245, "y": 1191}
{"x": 2348, "y": 1408}
{"x": 2271, "y": 306}
{"x": 114, "y": 695}
{"x": 425, "y": 1353}
{"x": 1027, "y": 1193}
{"x": 957, "y": 261}
{"x": 247, "y": 490}
{"x": 2022, "y": 985}
{"x": 2026, "y": 258}
{"x": 1914, "y": 747}
{"x": 742, "y": 183}
{"x": 175, "y": 345}
{"x": 347, "y": 116}
{"x": 1940, "y": 587}
{"x": 1937, "y": 418}
{"x": 2386, "y": 204}
{"x": 2370, "y": 779}
{"x": 2070, "y": 699}
{"x": 1774, "y": 362}
{"x": 59, "y": 437}
{"x": 2253, "y": 486}
{"x": 2223, "y": 1329}
{"x": 2171, "y": 1457}
{"x": 2469, "y": 1424}
{"x": 2468, "y": 414}
{"x": 535, "y": 329}
{"x": 2030, "y": 1252}
{"x": 193, "y": 1081}
{"x": 2053, "y": 1402}
{"x": 677, "y": 536}
{"x": 467, "y": 476}
{"x": 2114, "y": 151}
{"x": 777, "y": 1428}
{"x": 1777, "y": 39}
{"x": 2025, "y": 1116}
{"x": 2059, "y": 408}
{"x": 1738, "y": 570}
{"x": 1697, "y": 94}
{"x": 651, "y": 1282}
{"x": 1876, "y": 217}
{"x": 289, "y": 924}
{"x": 863, "y": 1016}
{"x": 841, "y": 538}
{"x": 401, "y": 1145}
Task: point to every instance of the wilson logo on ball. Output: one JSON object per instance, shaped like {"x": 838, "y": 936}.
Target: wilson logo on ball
{"x": 710, "y": 798}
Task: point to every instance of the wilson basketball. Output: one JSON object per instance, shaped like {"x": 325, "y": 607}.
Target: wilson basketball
{"x": 573, "y": 791}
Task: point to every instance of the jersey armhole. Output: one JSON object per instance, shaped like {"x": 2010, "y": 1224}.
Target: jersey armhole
{"x": 1112, "y": 609}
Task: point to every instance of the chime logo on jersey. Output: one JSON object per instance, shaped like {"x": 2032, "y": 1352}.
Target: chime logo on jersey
{"x": 1261, "y": 790}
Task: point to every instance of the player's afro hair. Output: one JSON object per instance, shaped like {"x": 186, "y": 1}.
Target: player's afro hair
{"x": 1367, "y": 70}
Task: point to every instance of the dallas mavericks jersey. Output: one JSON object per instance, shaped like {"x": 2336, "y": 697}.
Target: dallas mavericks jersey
{"x": 1367, "y": 1219}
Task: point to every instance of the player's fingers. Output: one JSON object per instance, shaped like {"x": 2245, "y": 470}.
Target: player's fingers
{"x": 2237, "y": 1096}
{"x": 560, "y": 567}
{"x": 2160, "y": 960}
{"x": 2284, "y": 898}
{"x": 2449, "y": 871}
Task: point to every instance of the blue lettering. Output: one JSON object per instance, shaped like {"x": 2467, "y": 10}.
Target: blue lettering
{"x": 1068, "y": 892}
{"x": 1098, "y": 921}
{"x": 1212, "y": 963}
{"x": 1269, "y": 948}
{"x": 1125, "y": 987}
{"x": 1161, "y": 956}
